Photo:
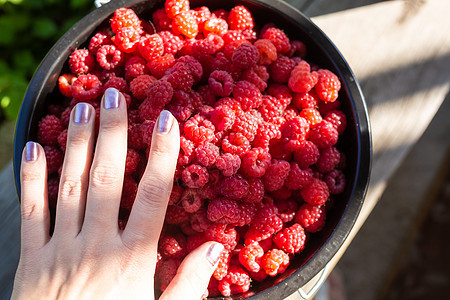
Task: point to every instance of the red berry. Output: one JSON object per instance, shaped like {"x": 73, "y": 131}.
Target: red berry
{"x": 54, "y": 158}
{"x": 328, "y": 85}
{"x": 235, "y": 282}
{"x": 245, "y": 56}
{"x": 139, "y": 86}
{"x": 86, "y": 87}
{"x": 250, "y": 257}
{"x": 195, "y": 176}
{"x": 240, "y": 18}
{"x": 125, "y": 17}
{"x": 151, "y": 47}
{"x": 198, "y": 129}
{"x": 324, "y": 134}
{"x": 291, "y": 239}
{"x": 185, "y": 23}
{"x": 228, "y": 164}
{"x": 267, "y": 51}
{"x": 280, "y": 70}
{"x": 174, "y": 7}
{"x": 236, "y": 143}
{"x": 255, "y": 162}
{"x": 275, "y": 262}
{"x": 298, "y": 178}
{"x": 109, "y": 57}
{"x": 65, "y": 82}
{"x": 247, "y": 94}
{"x": 81, "y": 62}
{"x": 206, "y": 154}
{"x": 335, "y": 181}
{"x": 234, "y": 187}
{"x": 49, "y": 129}
{"x": 302, "y": 79}
{"x": 311, "y": 217}
{"x": 276, "y": 174}
{"x": 316, "y": 192}
{"x": 278, "y": 38}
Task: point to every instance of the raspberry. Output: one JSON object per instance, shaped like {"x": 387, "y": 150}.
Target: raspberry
{"x": 233, "y": 36}
{"x": 267, "y": 51}
{"x": 291, "y": 239}
{"x": 86, "y": 87}
{"x": 125, "y": 17}
{"x": 302, "y": 79}
{"x": 65, "y": 117}
{"x": 287, "y": 207}
{"x": 62, "y": 140}
{"x": 324, "y": 134}
{"x": 255, "y": 191}
{"x": 221, "y": 14}
{"x": 251, "y": 76}
{"x": 223, "y": 234}
{"x": 187, "y": 153}
{"x": 167, "y": 271}
{"x": 198, "y": 129}
{"x": 52, "y": 191}
{"x": 266, "y": 132}
{"x": 185, "y": 23}
{"x": 221, "y": 83}
{"x": 255, "y": 162}
{"x": 247, "y": 212}
{"x": 175, "y": 195}
{"x": 250, "y": 257}
{"x": 206, "y": 154}
{"x": 223, "y": 211}
{"x": 298, "y": 178}
{"x": 234, "y": 187}
{"x": 228, "y": 164}
{"x": 237, "y": 281}
{"x": 202, "y": 14}
{"x": 49, "y": 129}
{"x": 316, "y": 192}
{"x": 176, "y": 215}
{"x": 335, "y": 181}
{"x": 289, "y": 113}
{"x": 180, "y": 77}
{"x": 247, "y": 94}
{"x": 222, "y": 267}
{"x": 160, "y": 93}
{"x": 148, "y": 110}
{"x": 280, "y": 70}
{"x": 129, "y": 191}
{"x": 270, "y": 108}
{"x": 172, "y": 246}
{"x": 246, "y": 124}
{"x": 281, "y": 92}
{"x": 194, "y": 241}
{"x": 245, "y": 56}
{"x": 174, "y": 7}
{"x": 139, "y": 86}
{"x": 265, "y": 224}
{"x": 240, "y": 18}
{"x": 328, "y": 160}
{"x": 275, "y": 262}
{"x": 151, "y": 47}
{"x": 98, "y": 40}
{"x": 236, "y": 143}
{"x": 134, "y": 67}
{"x": 132, "y": 161}
{"x": 294, "y": 132}
{"x": 65, "y": 82}
{"x": 328, "y": 85}
{"x": 338, "y": 119}
{"x": 146, "y": 132}
{"x": 306, "y": 100}
{"x": 160, "y": 65}
{"x": 194, "y": 66}
{"x": 81, "y": 62}
{"x": 215, "y": 26}
{"x": 223, "y": 117}
{"x": 119, "y": 84}
{"x": 279, "y": 39}
{"x": 297, "y": 48}
{"x": 311, "y": 115}
{"x": 127, "y": 39}
{"x": 276, "y": 174}
{"x": 54, "y": 158}
{"x": 231, "y": 103}
{"x": 172, "y": 43}
{"x": 311, "y": 217}
{"x": 161, "y": 20}
{"x": 306, "y": 154}
{"x": 199, "y": 220}
{"x": 195, "y": 176}
{"x": 109, "y": 57}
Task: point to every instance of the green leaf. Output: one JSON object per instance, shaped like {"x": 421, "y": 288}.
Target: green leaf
{"x": 8, "y": 30}
{"x": 24, "y": 61}
{"x": 75, "y": 4}
{"x": 44, "y": 28}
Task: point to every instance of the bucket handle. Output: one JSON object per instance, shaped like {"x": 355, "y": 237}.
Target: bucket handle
{"x": 316, "y": 286}
{"x": 99, "y": 3}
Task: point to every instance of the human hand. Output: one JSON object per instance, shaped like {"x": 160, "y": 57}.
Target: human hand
{"x": 88, "y": 256}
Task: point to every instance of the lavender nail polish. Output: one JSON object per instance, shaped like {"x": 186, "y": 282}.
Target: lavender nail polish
{"x": 82, "y": 113}
{"x": 165, "y": 121}
{"x": 111, "y": 100}
{"x": 31, "y": 151}
{"x": 214, "y": 252}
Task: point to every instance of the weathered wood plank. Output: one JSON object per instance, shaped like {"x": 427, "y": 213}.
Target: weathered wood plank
{"x": 401, "y": 55}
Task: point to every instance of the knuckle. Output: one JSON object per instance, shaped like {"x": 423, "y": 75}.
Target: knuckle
{"x": 71, "y": 187}
{"x": 112, "y": 124}
{"x": 28, "y": 211}
{"x": 154, "y": 191}
{"x": 104, "y": 175}
{"x": 28, "y": 177}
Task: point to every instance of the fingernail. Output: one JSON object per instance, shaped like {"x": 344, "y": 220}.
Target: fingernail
{"x": 111, "y": 100}
{"x": 214, "y": 253}
{"x": 31, "y": 151}
{"x": 82, "y": 113}
{"x": 165, "y": 121}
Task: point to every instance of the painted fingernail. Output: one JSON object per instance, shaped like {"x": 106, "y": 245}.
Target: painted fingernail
{"x": 214, "y": 252}
{"x": 82, "y": 113}
{"x": 165, "y": 121}
{"x": 31, "y": 151}
{"x": 111, "y": 100}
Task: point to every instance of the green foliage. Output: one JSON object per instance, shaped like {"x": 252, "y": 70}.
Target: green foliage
{"x": 29, "y": 28}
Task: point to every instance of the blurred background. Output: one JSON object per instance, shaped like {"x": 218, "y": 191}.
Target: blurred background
{"x": 399, "y": 253}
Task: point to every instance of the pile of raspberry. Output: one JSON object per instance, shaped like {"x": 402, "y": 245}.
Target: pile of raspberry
{"x": 258, "y": 166}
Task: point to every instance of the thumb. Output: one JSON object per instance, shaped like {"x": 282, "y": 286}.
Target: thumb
{"x": 194, "y": 273}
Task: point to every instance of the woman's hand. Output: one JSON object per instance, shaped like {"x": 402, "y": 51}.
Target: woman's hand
{"x": 88, "y": 256}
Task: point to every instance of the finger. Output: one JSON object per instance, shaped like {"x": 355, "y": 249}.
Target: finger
{"x": 108, "y": 166}
{"x": 75, "y": 173}
{"x": 147, "y": 215}
{"x": 194, "y": 273}
{"x": 34, "y": 205}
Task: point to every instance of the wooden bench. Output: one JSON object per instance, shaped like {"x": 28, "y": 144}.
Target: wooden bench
{"x": 400, "y": 53}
